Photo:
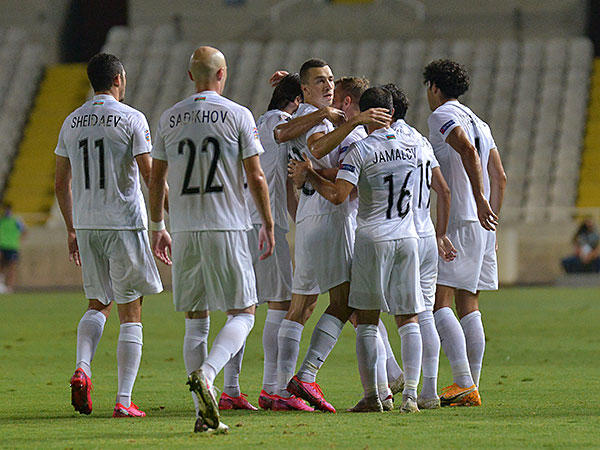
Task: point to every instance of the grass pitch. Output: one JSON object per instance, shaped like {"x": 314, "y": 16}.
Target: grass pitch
{"x": 539, "y": 386}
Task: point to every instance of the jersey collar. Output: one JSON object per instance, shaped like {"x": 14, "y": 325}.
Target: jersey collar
{"x": 103, "y": 97}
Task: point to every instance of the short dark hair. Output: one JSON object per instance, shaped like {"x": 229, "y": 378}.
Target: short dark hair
{"x": 353, "y": 86}
{"x": 102, "y": 69}
{"x": 449, "y": 76}
{"x": 400, "y": 100}
{"x": 376, "y": 97}
{"x": 313, "y": 62}
{"x": 285, "y": 92}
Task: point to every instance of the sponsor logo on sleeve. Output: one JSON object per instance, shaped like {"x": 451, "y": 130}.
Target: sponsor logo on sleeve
{"x": 446, "y": 126}
{"x": 344, "y": 149}
{"x": 147, "y": 135}
{"x": 255, "y": 133}
{"x": 348, "y": 167}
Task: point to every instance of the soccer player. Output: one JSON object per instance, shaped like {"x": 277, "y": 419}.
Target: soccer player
{"x": 101, "y": 147}
{"x": 432, "y": 240}
{"x": 385, "y": 267}
{"x": 324, "y": 233}
{"x": 471, "y": 164}
{"x": 204, "y": 144}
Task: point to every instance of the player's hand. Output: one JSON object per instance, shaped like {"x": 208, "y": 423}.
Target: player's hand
{"x": 277, "y": 77}
{"x": 161, "y": 246}
{"x": 445, "y": 248}
{"x": 297, "y": 170}
{"x": 374, "y": 116}
{"x": 334, "y": 115}
{"x": 487, "y": 218}
{"x": 266, "y": 241}
{"x": 73, "y": 248}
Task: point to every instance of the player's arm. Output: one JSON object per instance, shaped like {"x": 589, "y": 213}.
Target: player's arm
{"x": 439, "y": 185}
{"x": 144, "y": 162}
{"x": 336, "y": 192}
{"x": 300, "y": 125}
{"x": 292, "y": 198}
{"x": 497, "y": 180}
{"x": 64, "y": 195}
{"x": 161, "y": 240}
{"x": 321, "y": 144}
{"x": 259, "y": 189}
{"x": 459, "y": 141}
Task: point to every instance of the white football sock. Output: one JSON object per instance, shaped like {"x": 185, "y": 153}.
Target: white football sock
{"x": 391, "y": 365}
{"x": 270, "y": 331}
{"x": 228, "y": 342}
{"x": 129, "y": 355}
{"x": 366, "y": 352}
{"x": 89, "y": 332}
{"x": 288, "y": 341}
{"x": 323, "y": 339}
{"x": 382, "y": 379}
{"x": 453, "y": 343}
{"x": 475, "y": 337}
{"x": 431, "y": 354}
{"x": 195, "y": 347}
{"x": 231, "y": 371}
{"x": 412, "y": 352}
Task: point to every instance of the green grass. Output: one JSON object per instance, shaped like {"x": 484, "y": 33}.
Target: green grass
{"x": 540, "y": 384}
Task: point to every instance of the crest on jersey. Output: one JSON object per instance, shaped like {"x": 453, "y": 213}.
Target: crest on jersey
{"x": 389, "y": 137}
{"x": 199, "y": 99}
{"x": 98, "y": 102}
{"x": 446, "y": 126}
{"x": 147, "y": 135}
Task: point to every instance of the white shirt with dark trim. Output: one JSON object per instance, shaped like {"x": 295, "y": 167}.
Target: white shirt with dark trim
{"x": 383, "y": 166}
{"x": 101, "y": 138}
{"x": 311, "y": 203}
{"x": 274, "y": 164}
{"x": 204, "y": 139}
{"x": 441, "y": 122}
{"x": 426, "y": 162}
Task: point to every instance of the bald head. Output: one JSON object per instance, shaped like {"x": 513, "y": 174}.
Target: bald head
{"x": 205, "y": 63}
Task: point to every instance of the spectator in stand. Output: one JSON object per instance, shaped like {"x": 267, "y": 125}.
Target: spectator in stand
{"x": 587, "y": 250}
{"x": 11, "y": 231}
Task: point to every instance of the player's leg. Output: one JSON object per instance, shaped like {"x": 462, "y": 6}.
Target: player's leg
{"x": 467, "y": 307}
{"x": 367, "y": 351}
{"x": 89, "y": 332}
{"x": 195, "y": 343}
{"x": 394, "y": 373}
{"x": 412, "y": 354}
{"x": 10, "y": 278}
{"x": 129, "y": 355}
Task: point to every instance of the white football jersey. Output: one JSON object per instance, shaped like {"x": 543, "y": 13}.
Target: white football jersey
{"x": 274, "y": 164}
{"x": 426, "y": 162}
{"x": 101, "y": 138}
{"x": 441, "y": 122}
{"x": 311, "y": 203}
{"x": 204, "y": 139}
{"x": 384, "y": 167}
{"x": 358, "y": 134}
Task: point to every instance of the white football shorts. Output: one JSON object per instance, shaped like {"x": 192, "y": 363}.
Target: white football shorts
{"x": 117, "y": 265}
{"x": 475, "y": 267}
{"x": 323, "y": 253}
{"x": 212, "y": 270}
{"x": 274, "y": 274}
{"x": 385, "y": 276}
{"x": 428, "y": 268}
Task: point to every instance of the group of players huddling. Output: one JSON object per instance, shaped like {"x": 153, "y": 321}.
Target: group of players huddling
{"x": 356, "y": 178}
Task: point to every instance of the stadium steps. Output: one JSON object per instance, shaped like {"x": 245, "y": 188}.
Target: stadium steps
{"x": 589, "y": 186}
{"x": 30, "y": 188}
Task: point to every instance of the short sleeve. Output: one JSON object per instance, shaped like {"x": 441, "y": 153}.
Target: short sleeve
{"x": 248, "y": 133}
{"x": 441, "y": 123}
{"x": 322, "y": 127}
{"x": 350, "y": 167}
{"x": 158, "y": 149}
{"x": 140, "y": 131}
{"x": 61, "y": 148}
{"x": 428, "y": 150}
